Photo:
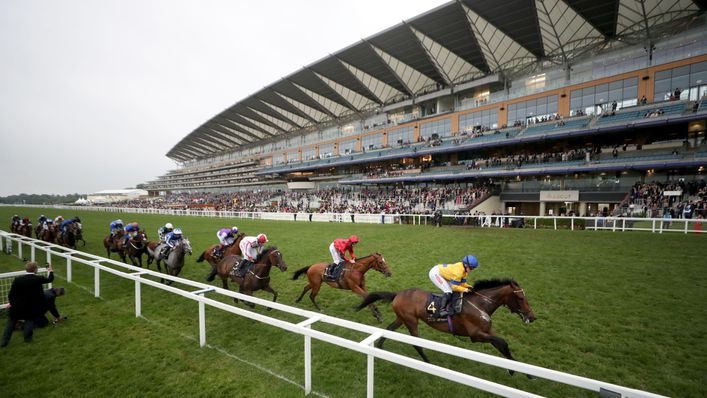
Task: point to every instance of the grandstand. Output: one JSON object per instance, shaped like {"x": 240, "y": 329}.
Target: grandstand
{"x": 463, "y": 96}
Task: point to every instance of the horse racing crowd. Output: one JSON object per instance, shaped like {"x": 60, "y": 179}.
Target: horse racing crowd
{"x": 407, "y": 200}
{"x": 672, "y": 199}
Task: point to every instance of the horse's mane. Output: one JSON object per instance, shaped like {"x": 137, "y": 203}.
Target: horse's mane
{"x": 491, "y": 283}
{"x": 265, "y": 253}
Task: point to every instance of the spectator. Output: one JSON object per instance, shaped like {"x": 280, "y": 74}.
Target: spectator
{"x": 50, "y": 295}
{"x": 27, "y": 301}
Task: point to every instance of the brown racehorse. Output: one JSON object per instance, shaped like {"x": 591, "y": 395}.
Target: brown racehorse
{"x": 136, "y": 247}
{"x": 49, "y": 234}
{"x": 25, "y": 229}
{"x": 474, "y": 320}
{"x": 352, "y": 278}
{"x": 68, "y": 239}
{"x": 208, "y": 255}
{"x": 116, "y": 246}
{"x": 258, "y": 277}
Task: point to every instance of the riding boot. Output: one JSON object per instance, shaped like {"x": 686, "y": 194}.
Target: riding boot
{"x": 446, "y": 309}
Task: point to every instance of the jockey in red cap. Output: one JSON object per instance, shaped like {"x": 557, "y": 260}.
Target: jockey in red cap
{"x": 338, "y": 249}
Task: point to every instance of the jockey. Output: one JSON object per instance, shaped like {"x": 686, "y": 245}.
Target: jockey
{"x": 131, "y": 230}
{"x": 251, "y": 247}
{"x": 58, "y": 220}
{"x": 15, "y": 220}
{"x": 338, "y": 249}
{"x": 452, "y": 278}
{"x": 226, "y": 237}
{"x": 25, "y": 221}
{"x": 64, "y": 225}
{"x": 48, "y": 223}
{"x": 164, "y": 230}
{"x": 41, "y": 219}
{"x": 115, "y": 226}
{"x": 171, "y": 240}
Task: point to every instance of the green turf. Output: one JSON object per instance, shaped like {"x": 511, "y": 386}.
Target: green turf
{"x": 626, "y": 308}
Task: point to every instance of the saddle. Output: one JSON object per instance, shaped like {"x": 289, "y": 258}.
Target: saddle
{"x": 333, "y": 273}
{"x": 240, "y": 272}
{"x": 435, "y": 303}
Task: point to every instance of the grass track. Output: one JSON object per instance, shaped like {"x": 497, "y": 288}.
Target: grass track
{"x": 627, "y": 308}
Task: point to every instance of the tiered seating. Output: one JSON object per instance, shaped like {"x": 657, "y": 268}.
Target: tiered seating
{"x": 570, "y": 124}
{"x": 639, "y": 114}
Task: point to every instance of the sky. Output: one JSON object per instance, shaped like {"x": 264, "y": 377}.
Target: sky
{"x": 93, "y": 94}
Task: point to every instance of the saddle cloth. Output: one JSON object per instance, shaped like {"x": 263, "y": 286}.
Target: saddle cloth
{"x": 240, "y": 273}
{"x": 334, "y": 273}
{"x": 436, "y": 300}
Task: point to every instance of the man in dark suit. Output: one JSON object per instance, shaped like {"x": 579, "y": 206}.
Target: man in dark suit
{"x": 27, "y": 301}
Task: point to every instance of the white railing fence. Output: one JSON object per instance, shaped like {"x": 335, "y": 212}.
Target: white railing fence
{"x": 365, "y": 346}
{"x": 656, "y": 225}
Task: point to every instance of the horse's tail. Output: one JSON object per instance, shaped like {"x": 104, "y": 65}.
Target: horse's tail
{"x": 201, "y": 258}
{"x": 375, "y": 296}
{"x": 300, "y": 272}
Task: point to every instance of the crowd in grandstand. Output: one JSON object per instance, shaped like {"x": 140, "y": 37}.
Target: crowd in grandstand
{"x": 673, "y": 199}
{"x": 339, "y": 200}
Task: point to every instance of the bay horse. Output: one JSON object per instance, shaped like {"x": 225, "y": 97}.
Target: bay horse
{"x": 474, "y": 320}
{"x": 174, "y": 262}
{"x": 136, "y": 247}
{"x": 49, "y": 234}
{"x": 25, "y": 230}
{"x": 117, "y": 245}
{"x": 257, "y": 278}
{"x": 208, "y": 255}
{"x": 68, "y": 239}
{"x": 352, "y": 278}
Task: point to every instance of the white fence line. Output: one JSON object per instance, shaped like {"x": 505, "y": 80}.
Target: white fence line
{"x": 303, "y": 328}
{"x": 655, "y": 225}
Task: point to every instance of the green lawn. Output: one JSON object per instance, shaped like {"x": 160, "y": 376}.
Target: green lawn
{"x": 626, "y": 308}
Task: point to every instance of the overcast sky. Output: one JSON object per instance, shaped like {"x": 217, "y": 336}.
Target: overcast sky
{"x": 94, "y": 93}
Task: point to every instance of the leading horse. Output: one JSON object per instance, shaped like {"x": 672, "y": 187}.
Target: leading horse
{"x": 352, "y": 278}
{"x": 256, "y": 278}
{"x": 474, "y": 320}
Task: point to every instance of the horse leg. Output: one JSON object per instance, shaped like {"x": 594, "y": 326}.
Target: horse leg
{"x": 313, "y": 295}
{"x": 396, "y": 324}
{"x": 499, "y": 343}
{"x": 246, "y": 292}
{"x": 305, "y": 290}
{"x": 411, "y": 324}
{"x": 273, "y": 292}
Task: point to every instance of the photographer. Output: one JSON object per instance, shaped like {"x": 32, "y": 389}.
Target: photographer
{"x": 50, "y": 296}
{"x": 27, "y": 301}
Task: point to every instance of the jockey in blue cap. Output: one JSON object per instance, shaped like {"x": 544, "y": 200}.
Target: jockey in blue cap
{"x": 452, "y": 278}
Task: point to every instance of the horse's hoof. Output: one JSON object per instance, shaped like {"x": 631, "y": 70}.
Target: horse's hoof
{"x": 511, "y": 372}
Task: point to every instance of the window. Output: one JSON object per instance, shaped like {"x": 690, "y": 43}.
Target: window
{"x": 535, "y": 108}
{"x": 292, "y": 156}
{"x": 308, "y": 153}
{"x": 373, "y": 141}
{"x": 441, "y": 128}
{"x": 326, "y": 151}
{"x": 592, "y": 100}
{"x": 689, "y": 79}
{"x": 346, "y": 147}
{"x": 401, "y": 136}
{"x": 480, "y": 119}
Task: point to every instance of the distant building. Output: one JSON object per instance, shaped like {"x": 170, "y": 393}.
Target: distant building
{"x": 115, "y": 195}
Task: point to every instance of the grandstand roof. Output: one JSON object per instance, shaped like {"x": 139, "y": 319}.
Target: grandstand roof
{"x": 455, "y": 43}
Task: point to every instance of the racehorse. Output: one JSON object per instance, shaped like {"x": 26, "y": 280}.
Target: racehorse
{"x": 208, "y": 255}
{"x": 256, "y": 278}
{"x": 136, "y": 247}
{"x": 352, "y": 278}
{"x": 474, "y": 320}
{"x": 116, "y": 246}
{"x": 151, "y": 251}
{"x": 49, "y": 234}
{"x": 68, "y": 238}
{"x": 79, "y": 234}
{"x": 25, "y": 229}
{"x": 174, "y": 262}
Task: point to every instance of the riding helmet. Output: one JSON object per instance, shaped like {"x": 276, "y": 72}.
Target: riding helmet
{"x": 262, "y": 238}
{"x": 77, "y": 219}
{"x": 234, "y": 229}
{"x": 177, "y": 231}
{"x": 470, "y": 261}
{"x": 169, "y": 225}
{"x": 353, "y": 239}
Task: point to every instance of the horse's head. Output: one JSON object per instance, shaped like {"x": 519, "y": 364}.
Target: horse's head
{"x": 187, "y": 246}
{"x": 380, "y": 265}
{"x": 518, "y": 303}
{"x": 274, "y": 257}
